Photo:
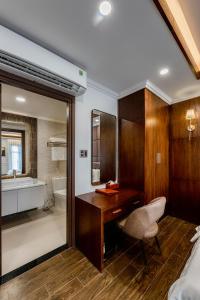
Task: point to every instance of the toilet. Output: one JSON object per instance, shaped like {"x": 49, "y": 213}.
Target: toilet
{"x": 59, "y": 192}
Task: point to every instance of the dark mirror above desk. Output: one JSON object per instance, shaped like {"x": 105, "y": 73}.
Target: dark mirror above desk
{"x": 103, "y": 157}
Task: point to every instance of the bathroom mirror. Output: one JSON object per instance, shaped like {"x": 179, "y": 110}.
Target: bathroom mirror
{"x": 18, "y": 145}
{"x": 12, "y": 151}
{"x": 103, "y": 128}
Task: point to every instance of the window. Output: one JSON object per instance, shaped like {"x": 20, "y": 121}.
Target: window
{"x": 16, "y": 157}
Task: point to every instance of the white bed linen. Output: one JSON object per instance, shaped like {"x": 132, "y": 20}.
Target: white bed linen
{"x": 187, "y": 287}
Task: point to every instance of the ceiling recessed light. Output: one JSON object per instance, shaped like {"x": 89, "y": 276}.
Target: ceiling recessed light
{"x": 105, "y": 8}
{"x": 21, "y": 99}
{"x": 164, "y": 71}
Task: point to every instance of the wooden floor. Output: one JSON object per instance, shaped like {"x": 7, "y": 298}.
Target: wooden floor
{"x": 69, "y": 275}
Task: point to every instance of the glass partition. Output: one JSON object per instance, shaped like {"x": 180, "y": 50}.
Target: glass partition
{"x": 33, "y": 177}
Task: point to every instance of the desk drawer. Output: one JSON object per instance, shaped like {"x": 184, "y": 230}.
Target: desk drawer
{"x": 121, "y": 211}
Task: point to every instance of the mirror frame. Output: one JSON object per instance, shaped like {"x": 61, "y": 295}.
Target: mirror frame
{"x": 23, "y": 152}
{"x": 33, "y": 149}
{"x": 91, "y": 126}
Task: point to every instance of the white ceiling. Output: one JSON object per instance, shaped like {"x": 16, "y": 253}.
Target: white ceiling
{"x": 125, "y": 49}
{"x": 37, "y": 106}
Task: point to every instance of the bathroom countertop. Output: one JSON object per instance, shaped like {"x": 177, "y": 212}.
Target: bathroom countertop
{"x": 23, "y": 186}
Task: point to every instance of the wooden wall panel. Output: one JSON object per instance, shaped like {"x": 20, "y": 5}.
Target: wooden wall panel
{"x": 185, "y": 162}
{"x": 144, "y": 132}
{"x": 156, "y": 141}
{"x": 131, "y": 140}
{"x": 131, "y": 151}
{"x": 131, "y": 108}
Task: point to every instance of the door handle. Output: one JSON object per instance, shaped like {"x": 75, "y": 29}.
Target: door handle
{"x": 116, "y": 211}
{"x": 137, "y": 202}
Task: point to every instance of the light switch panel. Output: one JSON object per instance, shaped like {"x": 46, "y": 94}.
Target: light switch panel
{"x": 83, "y": 153}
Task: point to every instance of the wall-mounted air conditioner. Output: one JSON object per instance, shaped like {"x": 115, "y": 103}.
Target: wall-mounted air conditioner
{"x": 22, "y": 57}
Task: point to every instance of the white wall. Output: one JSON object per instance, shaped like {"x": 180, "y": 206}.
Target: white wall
{"x": 93, "y": 99}
{"x": 46, "y": 167}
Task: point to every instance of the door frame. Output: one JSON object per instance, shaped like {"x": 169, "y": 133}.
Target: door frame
{"x": 35, "y": 87}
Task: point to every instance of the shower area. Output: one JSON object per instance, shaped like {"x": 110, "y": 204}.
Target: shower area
{"x": 33, "y": 178}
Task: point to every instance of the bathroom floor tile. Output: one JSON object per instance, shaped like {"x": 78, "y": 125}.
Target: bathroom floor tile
{"x": 31, "y": 235}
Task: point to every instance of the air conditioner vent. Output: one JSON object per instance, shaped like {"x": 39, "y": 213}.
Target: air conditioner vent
{"x": 36, "y": 73}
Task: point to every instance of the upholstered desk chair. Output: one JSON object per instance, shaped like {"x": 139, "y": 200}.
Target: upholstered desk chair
{"x": 142, "y": 222}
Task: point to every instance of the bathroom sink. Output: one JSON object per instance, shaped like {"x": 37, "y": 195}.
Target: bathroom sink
{"x": 18, "y": 183}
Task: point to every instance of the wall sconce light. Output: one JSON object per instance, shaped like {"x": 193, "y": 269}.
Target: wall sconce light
{"x": 190, "y": 115}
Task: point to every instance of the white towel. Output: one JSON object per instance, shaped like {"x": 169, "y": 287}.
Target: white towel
{"x": 58, "y": 153}
{"x": 96, "y": 175}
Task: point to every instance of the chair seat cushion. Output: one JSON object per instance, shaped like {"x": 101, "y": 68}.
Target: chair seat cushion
{"x": 151, "y": 231}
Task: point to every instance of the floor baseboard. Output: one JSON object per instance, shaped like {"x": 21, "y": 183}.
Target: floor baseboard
{"x": 30, "y": 265}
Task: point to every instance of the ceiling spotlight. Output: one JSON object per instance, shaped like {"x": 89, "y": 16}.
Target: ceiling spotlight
{"x": 164, "y": 71}
{"x": 105, "y": 8}
{"x": 21, "y": 99}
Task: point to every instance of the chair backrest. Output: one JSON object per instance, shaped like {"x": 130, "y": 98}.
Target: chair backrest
{"x": 142, "y": 218}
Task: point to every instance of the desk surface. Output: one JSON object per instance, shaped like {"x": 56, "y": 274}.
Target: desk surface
{"x": 107, "y": 202}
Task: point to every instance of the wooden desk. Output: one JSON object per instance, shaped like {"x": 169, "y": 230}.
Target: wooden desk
{"x": 93, "y": 210}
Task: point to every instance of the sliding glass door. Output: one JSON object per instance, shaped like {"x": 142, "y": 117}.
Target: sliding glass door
{"x": 34, "y": 177}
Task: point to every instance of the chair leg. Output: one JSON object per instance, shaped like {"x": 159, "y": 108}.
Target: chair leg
{"x": 143, "y": 252}
{"x": 158, "y": 244}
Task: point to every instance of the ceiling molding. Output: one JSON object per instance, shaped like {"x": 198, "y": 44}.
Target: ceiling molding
{"x": 102, "y": 89}
{"x": 139, "y": 86}
{"x": 150, "y": 86}
{"x": 142, "y": 85}
{"x": 158, "y": 92}
{"x": 186, "y": 98}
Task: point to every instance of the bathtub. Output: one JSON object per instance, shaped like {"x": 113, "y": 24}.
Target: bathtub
{"x": 21, "y": 194}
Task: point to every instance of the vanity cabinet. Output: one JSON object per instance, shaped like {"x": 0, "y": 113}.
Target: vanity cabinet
{"x": 144, "y": 143}
{"x": 22, "y": 199}
{"x": 30, "y": 198}
{"x": 9, "y": 203}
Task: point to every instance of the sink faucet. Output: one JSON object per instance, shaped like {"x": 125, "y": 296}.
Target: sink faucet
{"x": 14, "y": 174}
